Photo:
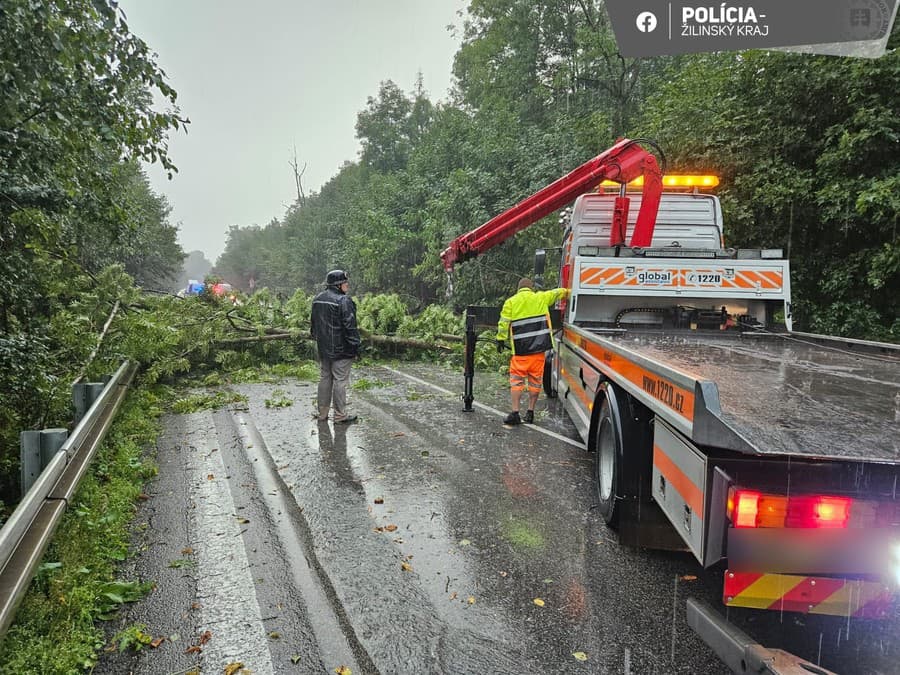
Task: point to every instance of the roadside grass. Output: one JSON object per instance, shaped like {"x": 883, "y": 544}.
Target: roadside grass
{"x": 55, "y": 628}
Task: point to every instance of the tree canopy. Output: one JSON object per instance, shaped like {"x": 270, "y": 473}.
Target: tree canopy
{"x": 76, "y": 115}
{"x": 806, "y": 147}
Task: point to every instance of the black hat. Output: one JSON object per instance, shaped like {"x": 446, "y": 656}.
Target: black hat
{"x": 336, "y": 278}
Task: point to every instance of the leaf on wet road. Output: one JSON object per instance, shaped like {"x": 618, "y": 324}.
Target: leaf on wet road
{"x": 581, "y": 656}
{"x": 504, "y": 574}
{"x": 538, "y": 602}
{"x": 390, "y": 528}
{"x": 193, "y": 649}
{"x": 464, "y": 542}
{"x": 187, "y": 551}
{"x": 379, "y": 500}
{"x": 295, "y": 659}
{"x": 453, "y": 595}
{"x": 205, "y": 637}
{"x": 157, "y": 642}
{"x": 406, "y": 567}
{"x": 343, "y": 670}
{"x": 234, "y": 667}
{"x": 689, "y": 577}
{"x": 275, "y": 635}
{"x": 243, "y": 521}
{"x": 471, "y": 600}
{"x": 210, "y": 477}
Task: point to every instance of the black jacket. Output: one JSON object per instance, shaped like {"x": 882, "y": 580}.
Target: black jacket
{"x": 333, "y": 325}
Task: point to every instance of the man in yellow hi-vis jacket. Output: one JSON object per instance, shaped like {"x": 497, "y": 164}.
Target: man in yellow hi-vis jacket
{"x": 525, "y": 326}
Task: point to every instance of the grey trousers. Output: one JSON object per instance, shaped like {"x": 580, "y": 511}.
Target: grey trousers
{"x": 334, "y": 377}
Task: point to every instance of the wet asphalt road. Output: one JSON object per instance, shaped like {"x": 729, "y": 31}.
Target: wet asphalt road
{"x": 428, "y": 540}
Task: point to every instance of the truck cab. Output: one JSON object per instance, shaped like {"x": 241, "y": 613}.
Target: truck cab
{"x": 685, "y": 279}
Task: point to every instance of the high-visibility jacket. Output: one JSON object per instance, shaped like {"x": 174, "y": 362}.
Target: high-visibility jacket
{"x": 525, "y": 322}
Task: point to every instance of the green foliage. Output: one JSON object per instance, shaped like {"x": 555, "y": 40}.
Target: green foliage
{"x": 365, "y": 384}
{"x": 206, "y": 401}
{"x": 133, "y": 638}
{"x": 279, "y": 399}
{"x": 302, "y": 370}
{"x": 433, "y": 321}
{"x": 76, "y": 114}
{"x": 297, "y": 311}
{"x": 181, "y": 563}
{"x": 114, "y": 594}
{"x": 381, "y": 314}
{"x": 54, "y": 630}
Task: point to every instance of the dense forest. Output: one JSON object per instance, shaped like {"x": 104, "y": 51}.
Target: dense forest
{"x": 808, "y": 148}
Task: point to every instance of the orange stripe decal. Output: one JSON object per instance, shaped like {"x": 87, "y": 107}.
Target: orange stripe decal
{"x": 690, "y": 493}
{"x": 661, "y": 389}
{"x": 576, "y": 388}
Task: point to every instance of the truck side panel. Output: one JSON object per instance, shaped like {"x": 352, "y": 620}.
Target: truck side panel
{"x": 678, "y": 485}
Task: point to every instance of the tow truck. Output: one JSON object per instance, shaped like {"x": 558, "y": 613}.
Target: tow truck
{"x": 715, "y": 427}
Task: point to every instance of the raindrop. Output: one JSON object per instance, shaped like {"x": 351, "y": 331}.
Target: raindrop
{"x": 674, "y": 615}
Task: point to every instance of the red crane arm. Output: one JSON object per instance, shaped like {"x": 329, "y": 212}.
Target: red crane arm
{"x": 623, "y": 162}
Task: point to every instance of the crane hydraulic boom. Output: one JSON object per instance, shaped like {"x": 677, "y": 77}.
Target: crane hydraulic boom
{"x": 622, "y": 163}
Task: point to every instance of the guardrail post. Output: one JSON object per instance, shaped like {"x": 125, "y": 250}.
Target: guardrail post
{"x": 51, "y": 442}
{"x": 36, "y": 449}
{"x": 83, "y": 395}
{"x": 29, "y": 458}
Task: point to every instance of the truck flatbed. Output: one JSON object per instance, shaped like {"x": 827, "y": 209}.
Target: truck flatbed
{"x": 778, "y": 394}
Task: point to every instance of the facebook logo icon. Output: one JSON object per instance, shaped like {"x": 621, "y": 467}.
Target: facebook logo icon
{"x": 646, "y": 22}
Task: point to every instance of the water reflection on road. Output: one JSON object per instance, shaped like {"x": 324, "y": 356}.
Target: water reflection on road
{"x": 458, "y": 546}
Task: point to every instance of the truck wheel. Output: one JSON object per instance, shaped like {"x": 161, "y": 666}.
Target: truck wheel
{"x": 612, "y": 470}
{"x": 549, "y": 390}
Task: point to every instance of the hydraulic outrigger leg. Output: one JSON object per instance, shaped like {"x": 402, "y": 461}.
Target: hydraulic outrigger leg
{"x": 739, "y": 651}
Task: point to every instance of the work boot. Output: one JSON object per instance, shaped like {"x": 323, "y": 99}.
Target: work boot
{"x": 513, "y": 418}
{"x": 345, "y": 420}
{"x": 529, "y": 417}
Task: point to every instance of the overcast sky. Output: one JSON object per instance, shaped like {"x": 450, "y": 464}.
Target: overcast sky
{"x": 258, "y": 78}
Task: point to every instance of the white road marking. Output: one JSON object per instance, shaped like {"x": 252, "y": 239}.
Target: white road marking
{"x": 494, "y": 411}
{"x": 225, "y": 589}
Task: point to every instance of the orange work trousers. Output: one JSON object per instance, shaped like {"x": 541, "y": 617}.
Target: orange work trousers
{"x": 526, "y": 368}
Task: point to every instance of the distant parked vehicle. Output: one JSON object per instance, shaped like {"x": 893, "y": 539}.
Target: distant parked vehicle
{"x": 194, "y": 287}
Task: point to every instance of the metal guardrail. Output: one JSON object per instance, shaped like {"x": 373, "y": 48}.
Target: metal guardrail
{"x": 25, "y": 536}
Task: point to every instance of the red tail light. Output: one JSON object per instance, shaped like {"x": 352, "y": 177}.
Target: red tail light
{"x": 749, "y": 508}
{"x": 818, "y": 511}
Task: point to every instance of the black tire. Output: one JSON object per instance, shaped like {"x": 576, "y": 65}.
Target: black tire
{"x": 616, "y": 473}
{"x": 549, "y": 390}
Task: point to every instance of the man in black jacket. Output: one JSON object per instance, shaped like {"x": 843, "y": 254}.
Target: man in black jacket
{"x": 333, "y": 325}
